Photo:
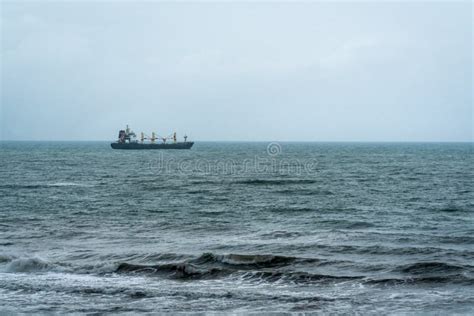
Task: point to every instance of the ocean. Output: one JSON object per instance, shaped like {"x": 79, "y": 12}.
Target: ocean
{"x": 236, "y": 227}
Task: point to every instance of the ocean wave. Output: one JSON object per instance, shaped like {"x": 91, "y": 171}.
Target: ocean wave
{"x": 172, "y": 270}
{"x": 295, "y": 277}
{"x": 429, "y": 268}
{"x": 209, "y": 259}
{"x": 6, "y": 258}
{"x": 393, "y": 250}
{"x": 299, "y": 191}
{"x": 21, "y": 186}
{"x": 170, "y": 264}
{"x": 26, "y": 265}
{"x": 214, "y": 265}
{"x": 247, "y": 260}
{"x": 291, "y": 209}
{"x": 43, "y": 185}
{"x": 450, "y": 279}
{"x": 274, "y": 268}
{"x": 275, "y": 181}
{"x": 281, "y": 234}
{"x": 248, "y": 267}
{"x": 184, "y": 271}
{"x": 452, "y": 209}
{"x": 347, "y": 224}
{"x": 132, "y": 293}
{"x": 457, "y": 240}
{"x": 68, "y": 184}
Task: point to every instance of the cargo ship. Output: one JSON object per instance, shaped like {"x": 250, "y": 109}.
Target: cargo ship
{"x": 127, "y": 139}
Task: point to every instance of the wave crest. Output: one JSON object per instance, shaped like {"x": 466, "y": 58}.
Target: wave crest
{"x": 429, "y": 268}
{"x": 27, "y": 265}
{"x": 245, "y": 260}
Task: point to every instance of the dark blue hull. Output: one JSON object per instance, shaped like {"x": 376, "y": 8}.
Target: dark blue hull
{"x": 134, "y": 146}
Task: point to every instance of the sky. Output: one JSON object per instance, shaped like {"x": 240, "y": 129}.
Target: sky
{"x": 266, "y": 71}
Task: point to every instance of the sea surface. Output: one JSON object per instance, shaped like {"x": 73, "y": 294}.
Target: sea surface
{"x": 370, "y": 228}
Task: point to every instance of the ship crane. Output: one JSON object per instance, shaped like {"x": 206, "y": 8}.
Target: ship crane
{"x": 155, "y": 136}
{"x": 164, "y": 139}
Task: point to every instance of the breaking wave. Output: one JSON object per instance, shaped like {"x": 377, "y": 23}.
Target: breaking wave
{"x": 247, "y": 267}
{"x": 213, "y": 265}
{"x": 26, "y": 265}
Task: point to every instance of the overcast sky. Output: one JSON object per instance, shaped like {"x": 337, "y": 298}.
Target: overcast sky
{"x": 363, "y": 71}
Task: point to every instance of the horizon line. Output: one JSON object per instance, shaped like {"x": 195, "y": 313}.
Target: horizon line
{"x": 259, "y": 141}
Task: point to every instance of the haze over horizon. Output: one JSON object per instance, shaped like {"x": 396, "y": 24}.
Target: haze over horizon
{"x": 362, "y": 71}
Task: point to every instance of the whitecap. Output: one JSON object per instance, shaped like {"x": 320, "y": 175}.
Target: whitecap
{"x": 27, "y": 265}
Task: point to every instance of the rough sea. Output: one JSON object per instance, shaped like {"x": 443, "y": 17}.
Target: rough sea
{"x": 369, "y": 228}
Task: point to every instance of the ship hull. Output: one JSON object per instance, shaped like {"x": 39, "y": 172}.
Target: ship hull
{"x": 138, "y": 146}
